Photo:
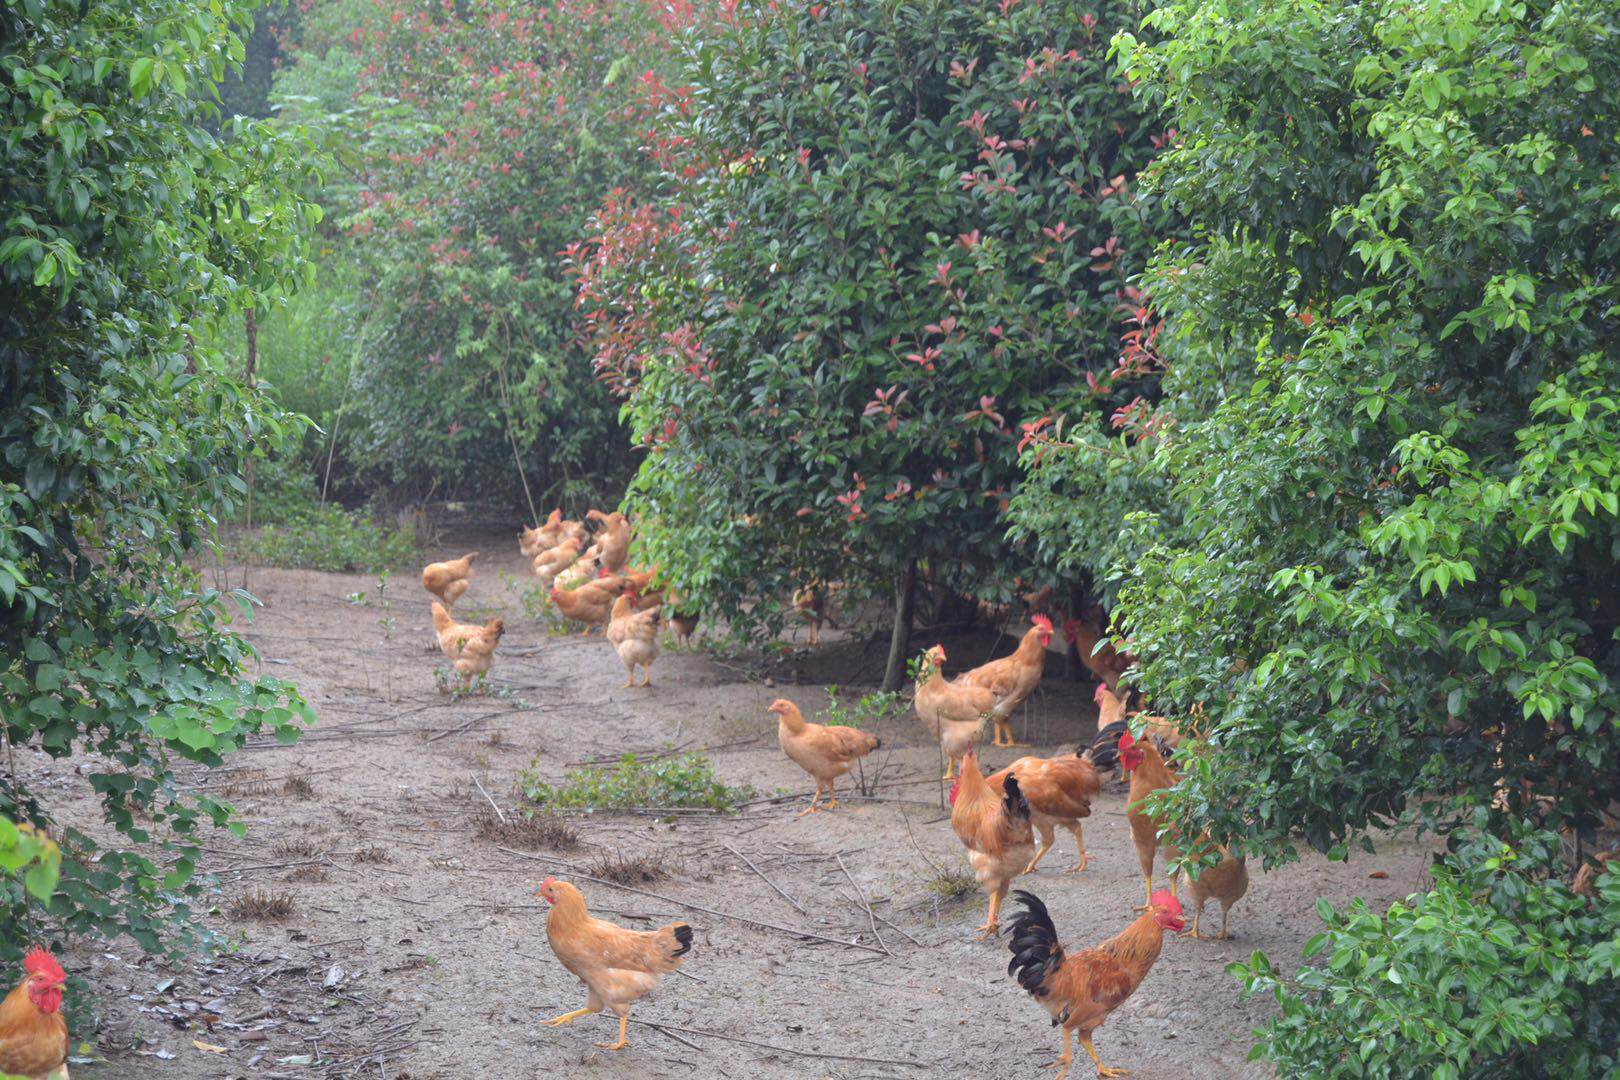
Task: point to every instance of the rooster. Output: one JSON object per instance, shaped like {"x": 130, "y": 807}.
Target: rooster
{"x": 1013, "y": 678}
{"x": 1081, "y": 990}
{"x": 994, "y": 827}
{"x": 617, "y": 966}
{"x": 33, "y": 1031}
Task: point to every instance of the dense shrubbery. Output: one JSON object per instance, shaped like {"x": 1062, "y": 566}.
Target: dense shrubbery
{"x": 127, "y": 230}
{"x": 1388, "y": 457}
{"x": 889, "y": 240}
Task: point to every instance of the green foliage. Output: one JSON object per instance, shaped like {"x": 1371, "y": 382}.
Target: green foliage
{"x": 863, "y": 712}
{"x": 1370, "y": 523}
{"x": 1496, "y": 957}
{"x": 128, "y": 229}
{"x": 333, "y": 539}
{"x": 485, "y": 132}
{"x": 890, "y": 236}
{"x": 687, "y": 780}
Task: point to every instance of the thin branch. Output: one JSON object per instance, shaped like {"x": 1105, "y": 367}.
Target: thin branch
{"x": 766, "y": 880}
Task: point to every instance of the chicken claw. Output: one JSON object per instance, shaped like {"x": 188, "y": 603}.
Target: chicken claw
{"x": 989, "y": 930}
{"x": 1079, "y": 867}
{"x": 624, "y": 1038}
{"x": 566, "y": 1018}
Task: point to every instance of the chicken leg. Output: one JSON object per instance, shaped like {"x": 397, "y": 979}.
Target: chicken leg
{"x": 832, "y": 796}
{"x": 1080, "y": 843}
{"x": 624, "y": 1038}
{"x": 569, "y": 1017}
{"x": 1066, "y": 1058}
{"x": 812, "y": 808}
{"x": 1047, "y": 834}
{"x": 992, "y": 922}
{"x": 1102, "y": 1070}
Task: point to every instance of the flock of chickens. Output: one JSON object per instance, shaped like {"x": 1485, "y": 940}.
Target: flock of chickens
{"x": 997, "y": 817}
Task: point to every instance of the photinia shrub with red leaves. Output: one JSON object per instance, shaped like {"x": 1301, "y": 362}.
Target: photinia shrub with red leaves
{"x": 869, "y": 260}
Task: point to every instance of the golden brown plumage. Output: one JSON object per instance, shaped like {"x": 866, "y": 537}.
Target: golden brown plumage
{"x": 1060, "y": 791}
{"x": 810, "y": 603}
{"x": 825, "y": 752}
{"x": 1013, "y": 678}
{"x": 586, "y": 604}
{"x": 613, "y": 538}
{"x": 633, "y": 633}
{"x": 617, "y": 966}
{"x": 533, "y": 541}
{"x": 1226, "y": 883}
{"x": 994, "y": 827}
{"x": 1104, "y": 661}
{"x": 1080, "y": 990}
{"x": 1148, "y": 774}
{"x": 554, "y": 560}
{"x": 448, "y": 580}
{"x": 33, "y": 1031}
{"x": 469, "y": 647}
{"x": 953, "y": 712}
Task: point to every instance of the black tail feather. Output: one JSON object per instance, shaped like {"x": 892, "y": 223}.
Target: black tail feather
{"x": 1034, "y": 944}
{"x": 1015, "y": 804}
{"x": 1105, "y": 747}
{"x": 683, "y": 935}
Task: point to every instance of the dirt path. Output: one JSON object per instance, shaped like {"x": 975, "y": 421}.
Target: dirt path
{"x": 415, "y": 949}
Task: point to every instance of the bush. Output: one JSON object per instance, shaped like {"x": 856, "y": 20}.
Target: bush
{"x": 131, "y": 225}
{"x": 333, "y": 539}
{"x": 685, "y": 781}
{"x": 890, "y": 238}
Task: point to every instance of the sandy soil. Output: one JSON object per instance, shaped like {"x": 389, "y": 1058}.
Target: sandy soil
{"x": 415, "y": 949}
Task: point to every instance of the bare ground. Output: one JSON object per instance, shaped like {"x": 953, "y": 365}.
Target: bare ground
{"x": 415, "y": 949}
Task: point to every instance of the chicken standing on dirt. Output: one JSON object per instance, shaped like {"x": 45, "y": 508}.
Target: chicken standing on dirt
{"x": 633, "y": 633}
{"x": 826, "y": 753}
{"x": 1148, "y": 774}
{"x": 1080, "y": 990}
{"x": 587, "y": 604}
{"x": 994, "y": 827}
{"x": 532, "y": 542}
{"x": 1013, "y": 678}
{"x": 1226, "y": 883}
{"x": 448, "y": 580}
{"x": 554, "y": 560}
{"x": 1060, "y": 791}
{"x": 810, "y": 603}
{"x": 952, "y": 712}
{"x": 617, "y": 966}
{"x": 33, "y": 1031}
{"x": 469, "y": 647}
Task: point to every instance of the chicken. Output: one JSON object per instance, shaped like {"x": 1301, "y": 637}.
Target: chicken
{"x": 533, "y": 541}
{"x": 617, "y": 966}
{"x": 554, "y": 560}
{"x": 586, "y": 604}
{"x": 583, "y": 570}
{"x": 1226, "y": 882}
{"x": 683, "y": 624}
{"x": 633, "y": 633}
{"x": 810, "y": 603}
{"x": 994, "y": 827}
{"x": 952, "y": 712}
{"x": 1081, "y": 990}
{"x": 471, "y": 648}
{"x": 826, "y": 753}
{"x": 1013, "y": 678}
{"x": 1148, "y": 774}
{"x": 1105, "y": 662}
{"x": 33, "y": 1031}
{"x": 1112, "y": 722}
{"x": 613, "y": 538}
{"x": 448, "y": 580}
{"x": 1059, "y": 791}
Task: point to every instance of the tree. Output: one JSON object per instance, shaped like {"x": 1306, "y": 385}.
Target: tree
{"x": 126, "y": 229}
{"x": 485, "y": 133}
{"x": 889, "y": 237}
{"x": 1388, "y": 435}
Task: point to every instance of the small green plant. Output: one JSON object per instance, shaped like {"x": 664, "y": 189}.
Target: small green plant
{"x": 685, "y": 781}
{"x": 386, "y": 620}
{"x": 878, "y": 705}
{"x": 330, "y": 538}
{"x": 950, "y": 886}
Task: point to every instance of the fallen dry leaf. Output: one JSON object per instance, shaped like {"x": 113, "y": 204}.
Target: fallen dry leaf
{"x": 207, "y": 1048}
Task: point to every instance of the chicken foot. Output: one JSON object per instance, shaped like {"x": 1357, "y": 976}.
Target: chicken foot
{"x": 1066, "y": 1058}
{"x": 1047, "y": 835}
{"x": 569, "y": 1017}
{"x": 1198, "y": 913}
{"x": 1102, "y": 1070}
{"x": 1003, "y": 735}
{"x": 992, "y": 922}
{"x": 812, "y": 808}
{"x": 1083, "y": 860}
{"x": 624, "y": 1037}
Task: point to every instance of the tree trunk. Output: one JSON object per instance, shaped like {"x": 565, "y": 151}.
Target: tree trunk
{"x": 905, "y": 599}
{"x": 251, "y": 323}
{"x": 1073, "y": 667}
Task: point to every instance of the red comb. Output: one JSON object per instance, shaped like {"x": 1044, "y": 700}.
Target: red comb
{"x": 1166, "y": 899}
{"x": 1043, "y": 622}
{"x": 548, "y": 883}
{"x": 39, "y": 962}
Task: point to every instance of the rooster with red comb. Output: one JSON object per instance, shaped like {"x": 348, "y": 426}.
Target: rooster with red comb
{"x": 33, "y": 1031}
{"x": 1080, "y": 989}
